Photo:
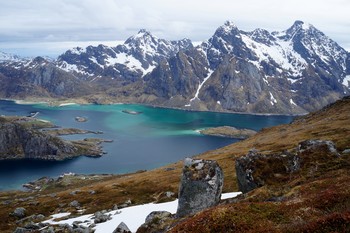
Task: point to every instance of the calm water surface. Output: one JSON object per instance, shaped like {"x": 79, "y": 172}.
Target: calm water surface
{"x": 154, "y": 138}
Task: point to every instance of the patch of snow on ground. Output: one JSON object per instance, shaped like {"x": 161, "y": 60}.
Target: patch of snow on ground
{"x": 133, "y": 216}
{"x": 346, "y": 81}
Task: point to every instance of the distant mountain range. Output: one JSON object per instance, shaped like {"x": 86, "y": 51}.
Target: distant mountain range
{"x": 290, "y": 72}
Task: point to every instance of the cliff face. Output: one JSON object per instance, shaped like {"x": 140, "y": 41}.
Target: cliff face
{"x": 39, "y": 78}
{"x": 18, "y": 141}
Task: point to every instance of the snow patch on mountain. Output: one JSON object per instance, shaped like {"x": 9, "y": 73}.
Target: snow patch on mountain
{"x": 201, "y": 85}
{"x": 281, "y": 52}
{"x": 273, "y": 101}
{"x": 73, "y": 68}
{"x": 346, "y": 81}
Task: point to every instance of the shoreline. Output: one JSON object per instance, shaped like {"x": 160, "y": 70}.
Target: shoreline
{"x": 29, "y": 102}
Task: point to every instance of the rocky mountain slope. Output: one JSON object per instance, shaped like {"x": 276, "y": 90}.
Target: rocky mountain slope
{"x": 40, "y": 78}
{"x": 314, "y": 200}
{"x": 293, "y": 71}
{"x": 128, "y": 62}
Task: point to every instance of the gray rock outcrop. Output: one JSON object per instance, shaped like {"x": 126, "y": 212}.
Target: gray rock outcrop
{"x": 122, "y": 228}
{"x": 255, "y": 169}
{"x": 311, "y": 158}
{"x": 312, "y": 145}
{"x": 201, "y": 186}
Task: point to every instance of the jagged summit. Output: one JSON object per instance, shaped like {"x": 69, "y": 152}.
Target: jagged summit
{"x": 299, "y": 27}
{"x": 228, "y": 28}
{"x": 143, "y": 36}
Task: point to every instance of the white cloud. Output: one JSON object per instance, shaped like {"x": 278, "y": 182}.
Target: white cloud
{"x": 85, "y": 20}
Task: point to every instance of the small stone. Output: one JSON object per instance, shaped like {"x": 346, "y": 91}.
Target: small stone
{"x": 7, "y": 202}
{"x": 346, "y": 151}
{"x": 19, "y": 212}
{"x": 74, "y": 203}
{"x": 21, "y": 230}
{"x": 31, "y": 226}
{"x": 100, "y": 217}
{"x": 157, "y": 215}
{"x": 169, "y": 194}
{"x": 122, "y": 228}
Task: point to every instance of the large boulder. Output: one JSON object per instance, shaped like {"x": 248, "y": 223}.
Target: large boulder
{"x": 312, "y": 158}
{"x": 255, "y": 169}
{"x": 201, "y": 186}
{"x": 317, "y": 156}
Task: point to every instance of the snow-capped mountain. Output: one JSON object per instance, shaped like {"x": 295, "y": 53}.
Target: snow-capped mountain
{"x": 6, "y": 57}
{"x": 139, "y": 55}
{"x": 38, "y": 77}
{"x": 293, "y": 71}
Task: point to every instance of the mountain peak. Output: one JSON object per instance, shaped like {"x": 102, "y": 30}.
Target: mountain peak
{"x": 227, "y": 28}
{"x": 144, "y": 32}
{"x": 298, "y": 24}
{"x": 143, "y": 37}
{"x": 229, "y": 23}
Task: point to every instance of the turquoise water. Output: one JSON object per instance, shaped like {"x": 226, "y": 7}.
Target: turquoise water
{"x": 156, "y": 137}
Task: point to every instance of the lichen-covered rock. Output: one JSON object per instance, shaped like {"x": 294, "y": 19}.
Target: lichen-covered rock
{"x": 317, "y": 156}
{"x": 313, "y": 145}
{"x": 255, "y": 169}
{"x": 156, "y": 221}
{"x": 201, "y": 186}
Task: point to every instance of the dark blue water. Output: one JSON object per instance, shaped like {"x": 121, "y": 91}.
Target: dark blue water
{"x": 154, "y": 138}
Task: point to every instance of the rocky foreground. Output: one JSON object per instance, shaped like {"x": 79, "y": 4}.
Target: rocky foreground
{"x": 295, "y": 178}
{"x": 31, "y": 138}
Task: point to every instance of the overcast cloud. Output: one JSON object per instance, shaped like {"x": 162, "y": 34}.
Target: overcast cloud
{"x": 49, "y": 27}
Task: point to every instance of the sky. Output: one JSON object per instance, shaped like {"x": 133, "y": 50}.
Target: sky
{"x": 50, "y": 27}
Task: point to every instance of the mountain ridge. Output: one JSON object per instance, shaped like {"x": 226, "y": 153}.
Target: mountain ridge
{"x": 293, "y": 71}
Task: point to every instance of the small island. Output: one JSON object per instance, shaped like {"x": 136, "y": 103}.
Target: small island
{"x": 131, "y": 112}
{"x": 229, "y": 132}
{"x": 81, "y": 119}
